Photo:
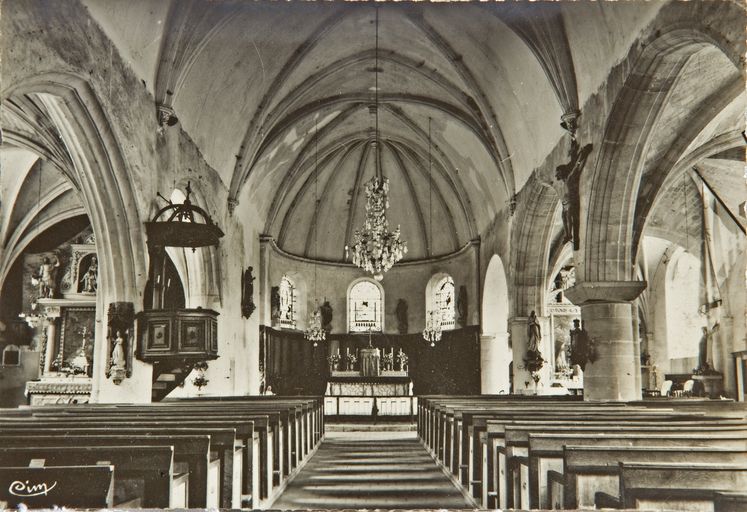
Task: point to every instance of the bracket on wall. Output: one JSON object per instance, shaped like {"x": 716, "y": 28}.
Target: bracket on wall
{"x": 120, "y": 332}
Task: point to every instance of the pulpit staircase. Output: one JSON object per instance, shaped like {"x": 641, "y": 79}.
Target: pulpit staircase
{"x": 166, "y": 377}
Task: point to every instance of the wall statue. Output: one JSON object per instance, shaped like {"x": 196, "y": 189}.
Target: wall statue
{"x": 121, "y": 316}
{"x": 46, "y": 278}
{"x": 462, "y": 306}
{"x": 326, "y": 312}
{"x": 567, "y": 184}
{"x": 247, "y": 292}
{"x": 401, "y": 311}
{"x": 275, "y": 304}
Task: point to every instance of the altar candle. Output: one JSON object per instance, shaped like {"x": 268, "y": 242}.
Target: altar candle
{"x": 347, "y": 351}
{"x": 337, "y": 349}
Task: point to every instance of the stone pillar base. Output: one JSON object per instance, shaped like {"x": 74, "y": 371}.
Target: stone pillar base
{"x": 607, "y": 318}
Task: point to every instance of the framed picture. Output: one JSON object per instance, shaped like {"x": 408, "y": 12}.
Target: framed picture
{"x": 77, "y": 337}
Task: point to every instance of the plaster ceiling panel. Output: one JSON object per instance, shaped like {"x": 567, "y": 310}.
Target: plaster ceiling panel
{"x": 600, "y": 35}
{"x": 136, "y": 28}
{"x": 730, "y": 118}
{"x": 231, "y": 74}
{"x": 727, "y": 179}
{"x": 354, "y": 34}
{"x": 678, "y": 216}
{"x": 15, "y": 164}
{"x": 41, "y": 181}
{"x": 705, "y": 73}
{"x": 512, "y": 80}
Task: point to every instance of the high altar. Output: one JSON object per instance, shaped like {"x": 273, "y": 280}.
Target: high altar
{"x": 373, "y": 388}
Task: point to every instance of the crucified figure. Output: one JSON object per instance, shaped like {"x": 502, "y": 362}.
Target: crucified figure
{"x": 567, "y": 176}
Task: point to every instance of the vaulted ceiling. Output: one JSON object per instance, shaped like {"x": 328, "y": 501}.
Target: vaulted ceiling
{"x": 278, "y": 97}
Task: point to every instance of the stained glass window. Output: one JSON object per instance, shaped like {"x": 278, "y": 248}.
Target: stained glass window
{"x": 288, "y": 303}
{"x": 365, "y": 306}
{"x": 444, "y": 302}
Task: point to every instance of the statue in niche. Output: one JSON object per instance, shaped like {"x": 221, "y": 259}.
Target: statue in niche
{"x": 462, "y": 306}
{"x": 401, "y": 311}
{"x": 247, "y": 292}
{"x": 46, "y": 278}
{"x": 326, "y": 312}
{"x": 90, "y": 278}
{"x": 534, "y": 333}
{"x": 118, "y": 353}
{"x": 567, "y": 185}
{"x": 121, "y": 316}
{"x": 705, "y": 351}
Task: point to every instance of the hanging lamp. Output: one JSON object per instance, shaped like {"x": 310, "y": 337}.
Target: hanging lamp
{"x": 314, "y": 329}
{"x": 432, "y": 331}
{"x": 375, "y": 248}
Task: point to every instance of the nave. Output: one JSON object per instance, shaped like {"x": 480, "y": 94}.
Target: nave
{"x": 372, "y": 470}
{"x": 470, "y": 451}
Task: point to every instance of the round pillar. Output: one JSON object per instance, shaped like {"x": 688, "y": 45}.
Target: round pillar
{"x": 608, "y": 320}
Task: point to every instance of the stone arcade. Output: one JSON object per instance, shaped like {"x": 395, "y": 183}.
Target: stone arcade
{"x": 277, "y": 249}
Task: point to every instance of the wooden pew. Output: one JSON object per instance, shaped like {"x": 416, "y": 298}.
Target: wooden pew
{"x": 198, "y": 467}
{"x": 531, "y": 466}
{"x": 231, "y": 437}
{"x": 589, "y": 469}
{"x": 144, "y": 472}
{"x": 657, "y": 486}
{"x": 277, "y": 450}
{"x": 62, "y": 486}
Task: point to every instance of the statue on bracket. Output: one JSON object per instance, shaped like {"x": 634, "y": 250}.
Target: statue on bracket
{"x": 567, "y": 185}
{"x": 46, "y": 278}
{"x": 462, "y": 306}
{"x": 326, "y": 312}
{"x": 121, "y": 317}
{"x": 247, "y": 292}
{"x": 402, "y": 324}
{"x": 275, "y": 304}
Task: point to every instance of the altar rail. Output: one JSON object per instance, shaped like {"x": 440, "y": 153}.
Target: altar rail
{"x": 364, "y": 405}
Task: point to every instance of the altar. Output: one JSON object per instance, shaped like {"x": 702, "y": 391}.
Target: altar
{"x": 371, "y": 387}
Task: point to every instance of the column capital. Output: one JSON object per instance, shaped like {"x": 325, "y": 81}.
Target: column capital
{"x": 605, "y": 291}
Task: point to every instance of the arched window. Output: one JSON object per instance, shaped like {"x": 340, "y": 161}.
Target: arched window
{"x": 288, "y": 303}
{"x": 444, "y": 301}
{"x": 365, "y": 306}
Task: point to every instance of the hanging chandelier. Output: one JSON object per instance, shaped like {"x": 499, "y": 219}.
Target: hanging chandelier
{"x": 314, "y": 331}
{"x": 432, "y": 331}
{"x": 375, "y": 248}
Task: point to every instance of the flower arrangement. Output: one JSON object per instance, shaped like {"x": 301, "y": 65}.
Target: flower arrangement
{"x": 387, "y": 360}
{"x": 351, "y": 360}
{"x": 402, "y": 359}
{"x": 333, "y": 360}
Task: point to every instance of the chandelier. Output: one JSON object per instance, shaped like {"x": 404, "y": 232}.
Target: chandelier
{"x": 375, "y": 248}
{"x": 314, "y": 331}
{"x": 432, "y": 331}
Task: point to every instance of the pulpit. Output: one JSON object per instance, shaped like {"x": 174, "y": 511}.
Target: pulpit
{"x": 370, "y": 360}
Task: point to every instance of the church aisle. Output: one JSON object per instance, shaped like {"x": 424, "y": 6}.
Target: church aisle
{"x": 371, "y": 470}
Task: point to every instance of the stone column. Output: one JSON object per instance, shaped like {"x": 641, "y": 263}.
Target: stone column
{"x": 607, "y": 317}
{"x": 495, "y": 357}
{"x": 636, "y": 345}
{"x": 51, "y": 314}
